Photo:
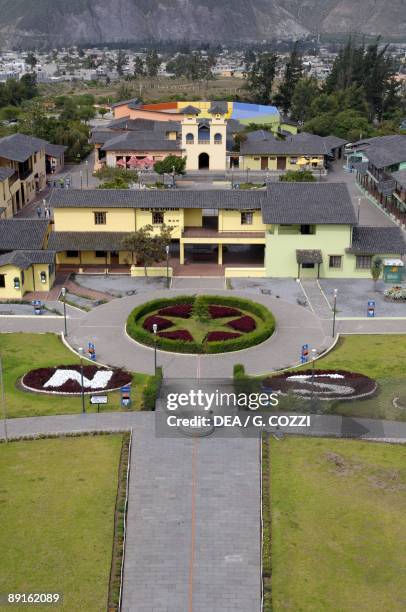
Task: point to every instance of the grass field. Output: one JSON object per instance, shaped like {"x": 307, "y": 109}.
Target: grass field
{"x": 23, "y": 352}
{"x": 338, "y": 525}
{"x": 57, "y": 502}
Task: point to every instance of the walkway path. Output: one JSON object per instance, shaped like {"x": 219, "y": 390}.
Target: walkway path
{"x": 316, "y": 298}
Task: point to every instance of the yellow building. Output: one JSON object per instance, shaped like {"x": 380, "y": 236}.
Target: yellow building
{"x": 261, "y": 150}
{"x": 25, "y": 263}
{"x": 24, "y": 155}
{"x": 8, "y": 189}
{"x": 204, "y": 141}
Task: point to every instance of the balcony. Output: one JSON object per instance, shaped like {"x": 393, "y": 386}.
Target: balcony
{"x": 207, "y": 232}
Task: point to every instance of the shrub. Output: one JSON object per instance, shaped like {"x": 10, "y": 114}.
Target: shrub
{"x": 200, "y": 309}
{"x": 177, "y": 310}
{"x": 217, "y": 336}
{"x": 244, "y": 324}
{"x": 178, "y": 334}
{"x": 218, "y": 312}
{"x": 154, "y": 320}
{"x": 397, "y": 294}
{"x": 151, "y": 390}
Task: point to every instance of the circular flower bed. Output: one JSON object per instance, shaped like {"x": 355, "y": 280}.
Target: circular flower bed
{"x": 201, "y": 324}
{"x": 66, "y": 379}
{"x": 324, "y": 385}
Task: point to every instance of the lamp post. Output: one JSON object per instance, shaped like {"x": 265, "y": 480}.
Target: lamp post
{"x": 63, "y": 293}
{"x": 81, "y": 179}
{"x": 334, "y": 311}
{"x": 3, "y": 400}
{"x": 313, "y": 356}
{"x": 167, "y": 265}
{"x": 80, "y": 351}
{"x": 359, "y": 209}
{"x": 155, "y": 329}
{"x": 232, "y": 176}
{"x": 87, "y": 173}
{"x": 173, "y": 176}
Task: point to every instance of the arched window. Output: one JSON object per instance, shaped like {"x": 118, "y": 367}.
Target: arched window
{"x": 218, "y": 138}
{"x": 189, "y": 138}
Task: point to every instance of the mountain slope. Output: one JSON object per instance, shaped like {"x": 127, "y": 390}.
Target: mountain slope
{"x": 70, "y": 21}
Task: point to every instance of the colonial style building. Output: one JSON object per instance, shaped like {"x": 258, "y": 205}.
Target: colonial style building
{"x": 25, "y": 156}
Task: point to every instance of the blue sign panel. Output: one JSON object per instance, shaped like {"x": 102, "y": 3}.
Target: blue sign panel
{"x": 304, "y": 357}
{"x": 371, "y": 308}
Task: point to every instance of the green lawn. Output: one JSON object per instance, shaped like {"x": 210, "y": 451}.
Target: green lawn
{"x": 382, "y": 357}
{"x": 23, "y": 352}
{"x": 57, "y": 502}
{"x": 338, "y": 512}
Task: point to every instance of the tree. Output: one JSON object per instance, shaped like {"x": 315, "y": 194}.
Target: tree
{"x": 139, "y": 67}
{"x": 293, "y": 72}
{"x": 306, "y": 90}
{"x": 117, "y": 183}
{"x": 170, "y": 163}
{"x": 31, "y": 60}
{"x": 123, "y": 93}
{"x": 260, "y": 76}
{"x": 152, "y": 62}
{"x": 102, "y": 110}
{"x": 148, "y": 248}
{"x": 376, "y": 269}
{"x": 121, "y": 61}
{"x": 297, "y": 176}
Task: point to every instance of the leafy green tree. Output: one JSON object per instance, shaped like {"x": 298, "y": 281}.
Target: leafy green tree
{"x": 305, "y": 92}
{"x": 31, "y": 60}
{"x": 121, "y": 62}
{"x": 139, "y": 67}
{"x": 152, "y": 62}
{"x": 295, "y": 176}
{"x": 293, "y": 73}
{"x": 260, "y": 77}
{"x": 376, "y": 269}
{"x": 147, "y": 246}
{"x": 117, "y": 183}
{"x": 102, "y": 110}
{"x": 169, "y": 164}
{"x": 124, "y": 92}
{"x": 10, "y": 113}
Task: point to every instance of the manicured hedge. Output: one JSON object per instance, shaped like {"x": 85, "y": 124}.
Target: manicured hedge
{"x": 219, "y": 312}
{"x": 216, "y": 336}
{"x": 178, "y": 334}
{"x": 258, "y": 335}
{"x": 178, "y": 310}
{"x": 160, "y": 322}
{"x": 244, "y": 324}
{"x": 151, "y": 390}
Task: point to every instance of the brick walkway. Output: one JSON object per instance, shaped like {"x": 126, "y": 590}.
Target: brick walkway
{"x": 91, "y": 294}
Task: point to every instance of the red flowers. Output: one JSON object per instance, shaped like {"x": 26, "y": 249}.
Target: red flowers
{"x": 177, "y": 310}
{"x": 244, "y": 324}
{"x": 218, "y": 312}
{"x": 159, "y": 321}
{"x": 178, "y": 334}
{"x": 219, "y": 336}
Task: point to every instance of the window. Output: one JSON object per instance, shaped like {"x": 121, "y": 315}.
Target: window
{"x": 293, "y": 160}
{"x": 100, "y": 218}
{"x": 72, "y": 254}
{"x": 100, "y": 253}
{"x": 246, "y": 218}
{"x": 335, "y": 261}
{"x": 16, "y": 282}
{"x": 363, "y": 262}
{"x": 43, "y": 277}
{"x": 157, "y": 218}
{"x": 218, "y": 139}
{"x": 189, "y": 138}
{"x": 308, "y": 265}
{"x": 2, "y": 280}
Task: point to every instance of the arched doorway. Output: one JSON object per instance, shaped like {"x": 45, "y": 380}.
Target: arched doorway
{"x": 203, "y": 161}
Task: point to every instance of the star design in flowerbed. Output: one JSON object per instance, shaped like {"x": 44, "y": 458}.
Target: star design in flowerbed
{"x": 66, "y": 379}
{"x": 201, "y": 324}
{"x": 323, "y": 384}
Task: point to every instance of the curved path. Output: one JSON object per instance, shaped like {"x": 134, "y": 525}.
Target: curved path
{"x": 105, "y": 326}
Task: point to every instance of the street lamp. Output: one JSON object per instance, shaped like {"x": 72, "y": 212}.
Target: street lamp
{"x": 63, "y": 293}
{"x": 167, "y": 265}
{"x": 173, "y": 176}
{"x": 81, "y": 179}
{"x": 80, "y": 351}
{"x": 359, "y": 209}
{"x": 313, "y": 357}
{"x": 334, "y": 311}
{"x": 155, "y": 329}
{"x": 87, "y": 173}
